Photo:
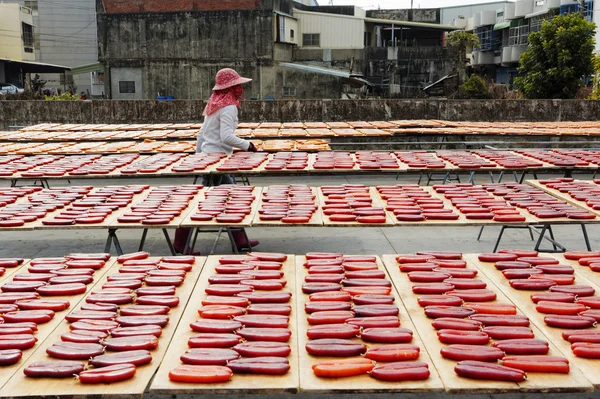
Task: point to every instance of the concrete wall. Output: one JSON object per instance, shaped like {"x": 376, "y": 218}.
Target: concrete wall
{"x": 430, "y": 15}
{"x": 128, "y": 75}
{"x": 23, "y": 113}
{"x": 120, "y": 6}
{"x": 180, "y": 53}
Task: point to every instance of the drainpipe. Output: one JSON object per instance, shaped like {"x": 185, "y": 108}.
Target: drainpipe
{"x": 393, "y": 41}
{"x": 261, "y": 82}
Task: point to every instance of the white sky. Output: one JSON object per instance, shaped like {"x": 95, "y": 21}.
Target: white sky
{"x": 392, "y": 4}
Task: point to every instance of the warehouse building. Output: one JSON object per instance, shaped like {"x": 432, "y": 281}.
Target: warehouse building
{"x": 290, "y": 49}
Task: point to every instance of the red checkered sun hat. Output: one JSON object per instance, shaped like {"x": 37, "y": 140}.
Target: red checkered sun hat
{"x": 227, "y": 77}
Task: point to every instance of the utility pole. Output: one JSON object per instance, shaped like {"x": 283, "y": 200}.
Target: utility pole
{"x": 582, "y": 8}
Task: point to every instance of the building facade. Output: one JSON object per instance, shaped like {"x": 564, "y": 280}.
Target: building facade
{"x": 16, "y": 33}
{"x": 503, "y": 33}
{"x": 65, "y": 34}
{"x": 290, "y": 49}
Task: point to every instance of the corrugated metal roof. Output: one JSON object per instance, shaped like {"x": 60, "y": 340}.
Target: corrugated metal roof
{"x": 284, "y": 14}
{"x": 411, "y": 24}
{"x": 81, "y": 69}
{"x": 326, "y": 71}
{"x": 39, "y": 65}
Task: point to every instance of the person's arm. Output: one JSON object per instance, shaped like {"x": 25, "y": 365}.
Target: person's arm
{"x": 228, "y": 126}
{"x": 199, "y": 141}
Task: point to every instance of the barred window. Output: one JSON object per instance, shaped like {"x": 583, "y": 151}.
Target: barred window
{"x": 311, "y": 39}
{"x": 127, "y": 87}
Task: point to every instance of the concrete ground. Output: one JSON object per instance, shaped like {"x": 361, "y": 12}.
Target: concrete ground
{"x": 301, "y": 240}
{"x": 294, "y": 240}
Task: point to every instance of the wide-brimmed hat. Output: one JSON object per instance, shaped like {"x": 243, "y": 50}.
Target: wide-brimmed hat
{"x": 228, "y": 77}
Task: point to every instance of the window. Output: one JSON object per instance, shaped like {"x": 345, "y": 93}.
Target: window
{"x": 27, "y": 36}
{"x": 574, "y": 8}
{"x": 485, "y": 37}
{"x": 126, "y": 87}
{"x": 32, "y": 4}
{"x": 311, "y": 39}
{"x": 282, "y": 28}
{"x": 289, "y": 91}
{"x": 292, "y": 34}
{"x": 519, "y": 35}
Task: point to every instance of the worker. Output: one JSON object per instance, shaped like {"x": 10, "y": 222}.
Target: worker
{"x": 218, "y": 135}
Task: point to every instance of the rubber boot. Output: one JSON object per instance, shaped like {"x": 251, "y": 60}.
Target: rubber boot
{"x": 241, "y": 242}
{"x": 181, "y": 237}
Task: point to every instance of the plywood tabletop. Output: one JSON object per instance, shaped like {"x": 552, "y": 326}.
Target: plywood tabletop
{"x": 362, "y": 384}
{"x": 315, "y": 220}
{"x": 246, "y": 222}
{"x": 107, "y": 222}
{"x": 589, "y": 367}
{"x": 563, "y": 196}
{"x": 376, "y": 203}
{"x": 176, "y": 222}
{"x": 536, "y": 382}
{"x": 240, "y": 383}
{"x": 11, "y": 271}
{"x": 46, "y": 330}
{"x": 21, "y": 386}
{"x": 583, "y": 271}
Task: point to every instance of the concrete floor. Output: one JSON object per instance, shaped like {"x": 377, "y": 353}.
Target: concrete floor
{"x": 301, "y": 240}
{"x": 293, "y": 240}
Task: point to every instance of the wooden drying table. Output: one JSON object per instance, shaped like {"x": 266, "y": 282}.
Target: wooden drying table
{"x": 589, "y": 367}
{"x": 46, "y": 330}
{"x": 240, "y": 383}
{"x": 536, "y": 382}
{"x": 20, "y": 386}
{"x": 362, "y": 384}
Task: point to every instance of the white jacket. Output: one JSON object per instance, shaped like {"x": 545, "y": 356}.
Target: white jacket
{"x": 217, "y": 133}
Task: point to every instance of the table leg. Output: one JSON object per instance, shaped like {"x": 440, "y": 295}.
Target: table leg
{"x": 108, "y": 242}
{"x": 499, "y": 238}
{"x": 217, "y": 238}
{"x": 472, "y": 177}
{"x": 143, "y": 240}
{"x": 112, "y": 238}
{"x": 585, "y": 237}
{"x": 117, "y": 243}
{"x": 558, "y": 248}
{"x": 480, "y": 233}
{"x": 169, "y": 243}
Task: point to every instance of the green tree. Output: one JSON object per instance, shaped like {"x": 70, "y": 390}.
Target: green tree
{"x": 557, "y": 59}
{"x": 474, "y": 87}
{"x": 461, "y": 41}
{"x": 595, "y": 95}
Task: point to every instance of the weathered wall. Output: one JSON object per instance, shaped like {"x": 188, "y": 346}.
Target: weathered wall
{"x": 23, "y": 113}
{"x": 431, "y": 15}
{"x": 412, "y": 69}
{"x": 307, "y": 85}
{"x": 179, "y": 53}
{"x": 131, "y": 6}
